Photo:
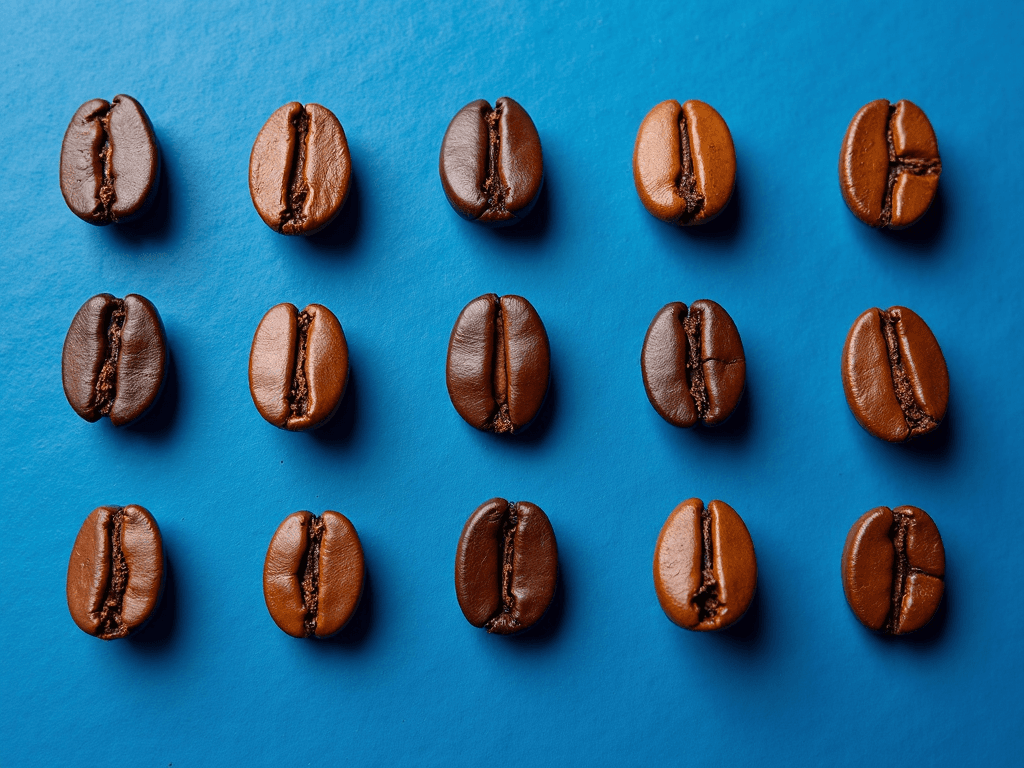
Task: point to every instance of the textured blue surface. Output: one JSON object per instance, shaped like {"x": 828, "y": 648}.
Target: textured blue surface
{"x": 607, "y": 678}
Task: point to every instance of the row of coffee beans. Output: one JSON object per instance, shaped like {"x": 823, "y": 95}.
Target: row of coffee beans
{"x": 499, "y": 362}
{"x": 506, "y": 569}
{"x": 491, "y": 164}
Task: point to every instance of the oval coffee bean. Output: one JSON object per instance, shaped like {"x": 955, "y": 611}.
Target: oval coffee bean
{"x": 705, "y": 571}
{"x": 893, "y": 567}
{"x": 499, "y": 363}
{"x": 506, "y": 566}
{"x": 299, "y": 169}
{"x": 116, "y": 571}
{"x": 109, "y": 161}
{"x": 115, "y": 358}
{"x": 684, "y": 162}
{"x": 889, "y": 165}
{"x": 894, "y": 374}
{"x": 298, "y": 366}
{"x": 693, "y": 364}
{"x": 491, "y": 163}
{"x": 313, "y": 574}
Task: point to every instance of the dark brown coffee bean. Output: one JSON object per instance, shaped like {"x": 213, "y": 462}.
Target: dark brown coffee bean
{"x": 491, "y": 163}
{"x": 893, "y": 567}
{"x": 684, "y": 162}
{"x": 313, "y": 574}
{"x": 693, "y": 364}
{"x": 894, "y": 374}
{"x": 109, "y": 161}
{"x": 298, "y": 366}
{"x": 116, "y": 571}
{"x": 499, "y": 363}
{"x": 889, "y": 165}
{"x": 115, "y": 358}
{"x": 506, "y": 566}
{"x": 705, "y": 571}
{"x": 299, "y": 169}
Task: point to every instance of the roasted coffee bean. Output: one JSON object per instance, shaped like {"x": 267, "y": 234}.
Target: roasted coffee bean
{"x": 693, "y": 364}
{"x": 893, "y": 566}
{"x": 491, "y": 164}
{"x": 506, "y": 566}
{"x": 115, "y": 358}
{"x": 313, "y": 574}
{"x": 499, "y": 363}
{"x": 684, "y": 162}
{"x": 109, "y": 161}
{"x": 889, "y": 165}
{"x": 298, "y": 366}
{"x": 705, "y": 571}
{"x": 299, "y": 169}
{"x": 894, "y": 374}
{"x": 116, "y": 572}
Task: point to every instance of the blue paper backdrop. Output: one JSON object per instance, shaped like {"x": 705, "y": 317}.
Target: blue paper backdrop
{"x": 606, "y": 678}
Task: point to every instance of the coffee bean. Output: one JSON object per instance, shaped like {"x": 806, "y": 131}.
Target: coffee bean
{"x": 313, "y": 574}
{"x": 692, "y": 363}
{"x": 299, "y": 169}
{"x": 499, "y": 363}
{"x": 684, "y": 162}
{"x": 116, "y": 571}
{"x": 491, "y": 163}
{"x": 894, "y": 374}
{"x": 115, "y": 358}
{"x": 893, "y": 566}
{"x": 889, "y": 165}
{"x": 298, "y": 366}
{"x": 109, "y": 161}
{"x": 506, "y": 566}
{"x": 705, "y": 571}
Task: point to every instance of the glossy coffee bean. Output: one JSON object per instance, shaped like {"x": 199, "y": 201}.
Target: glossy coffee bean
{"x": 692, "y": 363}
{"x": 506, "y": 566}
{"x": 491, "y": 163}
{"x": 298, "y": 366}
{"x": 313, "y": 574}
{"x": 889, "y": 165}
{"x": 893, "y": 567}
{"x": 499, "y": 363}
{"x": 299, "y": 169}
{"x": 684, "y": 162}
{"x": 109, "y": 161}
{"x": 894, "y": 374}
{"x": 115, "y": 358}
{"x": 116, "y": 571}
{"x": 705, "y": 571}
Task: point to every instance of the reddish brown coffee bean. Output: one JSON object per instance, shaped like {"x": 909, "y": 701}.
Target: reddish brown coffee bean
{"x": 109, "y": 161}
{"x": 893, "y": 567}
{"x": 299, "y": 169}
{"x": 705, "y": 571}
{"x": 115, "y": 358}
{"x": 313, "y": 574}
{"x": 116, "y": 571}
{"x": 491, "y": 164}
{"x": 499, "y": 363}
{"x": 693, "y": 364}
{"x": 894, "y": 374}
{"x": 298, "y": 366}
{"x": 889, "y": 165}
{"x": 506, "y": 566}
{"x": 684, "y": 162}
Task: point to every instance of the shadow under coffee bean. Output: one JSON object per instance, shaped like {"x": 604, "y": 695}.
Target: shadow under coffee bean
{"x": 116, "y": 571}
{"x": 506, "y": 566}
{"x": 115, "y": 358}
{"x": 893, "y": 569}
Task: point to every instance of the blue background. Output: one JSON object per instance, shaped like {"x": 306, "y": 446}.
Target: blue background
{"x": 606, "y": 678}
